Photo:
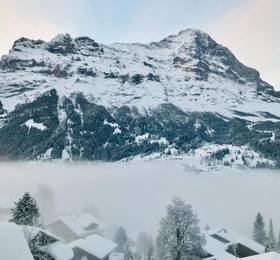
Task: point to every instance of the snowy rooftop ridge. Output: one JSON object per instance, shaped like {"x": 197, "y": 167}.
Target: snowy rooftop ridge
{"x": 96, "y": 245}
{"x": 81, "y": 224}
{"x": 267, "y": 256}
{"x": 220, "y": 240}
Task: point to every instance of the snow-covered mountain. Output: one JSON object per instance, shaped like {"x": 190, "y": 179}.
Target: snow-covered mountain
{"x": 77, "y": 99}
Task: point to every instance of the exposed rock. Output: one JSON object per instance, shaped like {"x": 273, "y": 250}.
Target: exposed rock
{"x": 137, "y": 79}
{"x": 62, "y": 44}
{"x": 86, "y": 72}
{"x": 1, "y": 108}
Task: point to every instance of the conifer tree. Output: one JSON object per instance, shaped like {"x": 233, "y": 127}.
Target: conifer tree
{"x": 271, "y": 236}
{"x": 259, "y": 234}
{"x": 123, "y": 244}
{"x": 26, "y": 211}
{"x": 278, "y": 244}
{"x": 120, "y": 238}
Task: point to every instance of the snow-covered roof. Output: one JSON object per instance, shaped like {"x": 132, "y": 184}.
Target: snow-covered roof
{"x": 59, "y": 251}
{"x": 13, "y": 243}
{"x": 34, "y": 231}
{"x": 81, "y": 224}
{"x": 56, "y": 249}
{"x": 116, "y": 256}
{"x": 220, "y": 239}
{"x": 267, "y": 256}
{"x": 95, "y": 245}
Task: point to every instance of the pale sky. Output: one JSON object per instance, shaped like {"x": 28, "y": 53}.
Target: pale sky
{"x": 250, "y": 28}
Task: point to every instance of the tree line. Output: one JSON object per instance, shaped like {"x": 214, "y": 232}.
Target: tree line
{"x": 265, "y": 237}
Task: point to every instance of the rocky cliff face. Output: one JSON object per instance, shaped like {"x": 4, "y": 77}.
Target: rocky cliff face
{"x": 80, "y": 100}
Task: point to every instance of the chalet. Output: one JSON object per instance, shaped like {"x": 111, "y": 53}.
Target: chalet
{"x": 48, "y": 244}
{"x": 93, "y": 247}
{"x": 15, "y": 241}
{"x": 116, "y": 256}
{"x": 72, "y": 227}
{"x": 224, "y": 244}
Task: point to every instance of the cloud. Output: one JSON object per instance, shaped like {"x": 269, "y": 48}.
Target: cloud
{"x": 251, "y": 31}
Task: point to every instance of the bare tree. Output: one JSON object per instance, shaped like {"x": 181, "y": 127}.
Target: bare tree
{"x": 145, "y": 246}
{"x": 179, "y": 233}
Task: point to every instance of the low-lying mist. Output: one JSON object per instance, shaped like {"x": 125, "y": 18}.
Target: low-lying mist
{"x": 135, "y": 194}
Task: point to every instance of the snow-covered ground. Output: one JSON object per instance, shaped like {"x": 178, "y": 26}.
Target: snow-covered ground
{"x": 134, "y": 194}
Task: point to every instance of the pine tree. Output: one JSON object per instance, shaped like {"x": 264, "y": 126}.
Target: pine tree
{"x": 26, "y": 211}
{"x": 271, "y": 236}
{"x": 278, "y": 244}
{"x": 120, "y": 238}
{"x": 259, "y": 234}
{"x": 207, "y": 227}
{"x": 123, "y": 244}
{"x": 179, "y": 234}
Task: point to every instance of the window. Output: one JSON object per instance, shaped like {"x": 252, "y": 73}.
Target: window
{"x": 91, "y": 227}
{"x": 240, "y": 250}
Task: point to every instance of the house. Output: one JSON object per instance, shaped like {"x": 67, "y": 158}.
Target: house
{"x": 116, "y": 256}
{"x": 13, "y": 243}
{"x": 72, "y": 227}
{"x": 47, "y": 243}
{"x": 93, "y": 247}
{"x": 267, "y": 256}
{"x": 224, "y": 244}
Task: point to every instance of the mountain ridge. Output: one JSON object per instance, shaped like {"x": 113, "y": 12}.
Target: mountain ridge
{"x": 111, "y": 102}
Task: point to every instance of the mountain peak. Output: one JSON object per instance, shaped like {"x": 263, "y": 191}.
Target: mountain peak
{"x": 61, "y": 44}
{"x": 187, "y": 36}
{"x": 24, "y": 42}
{"x": 192, "y": 31}
{"x": 60, "y": 38}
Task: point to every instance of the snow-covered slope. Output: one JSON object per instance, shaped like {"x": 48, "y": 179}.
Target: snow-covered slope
{"x": 132, "y": 90}
{"x": 189, "y": 70}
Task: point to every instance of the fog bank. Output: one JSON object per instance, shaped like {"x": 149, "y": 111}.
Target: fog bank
{"x": 135, "y": 194}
